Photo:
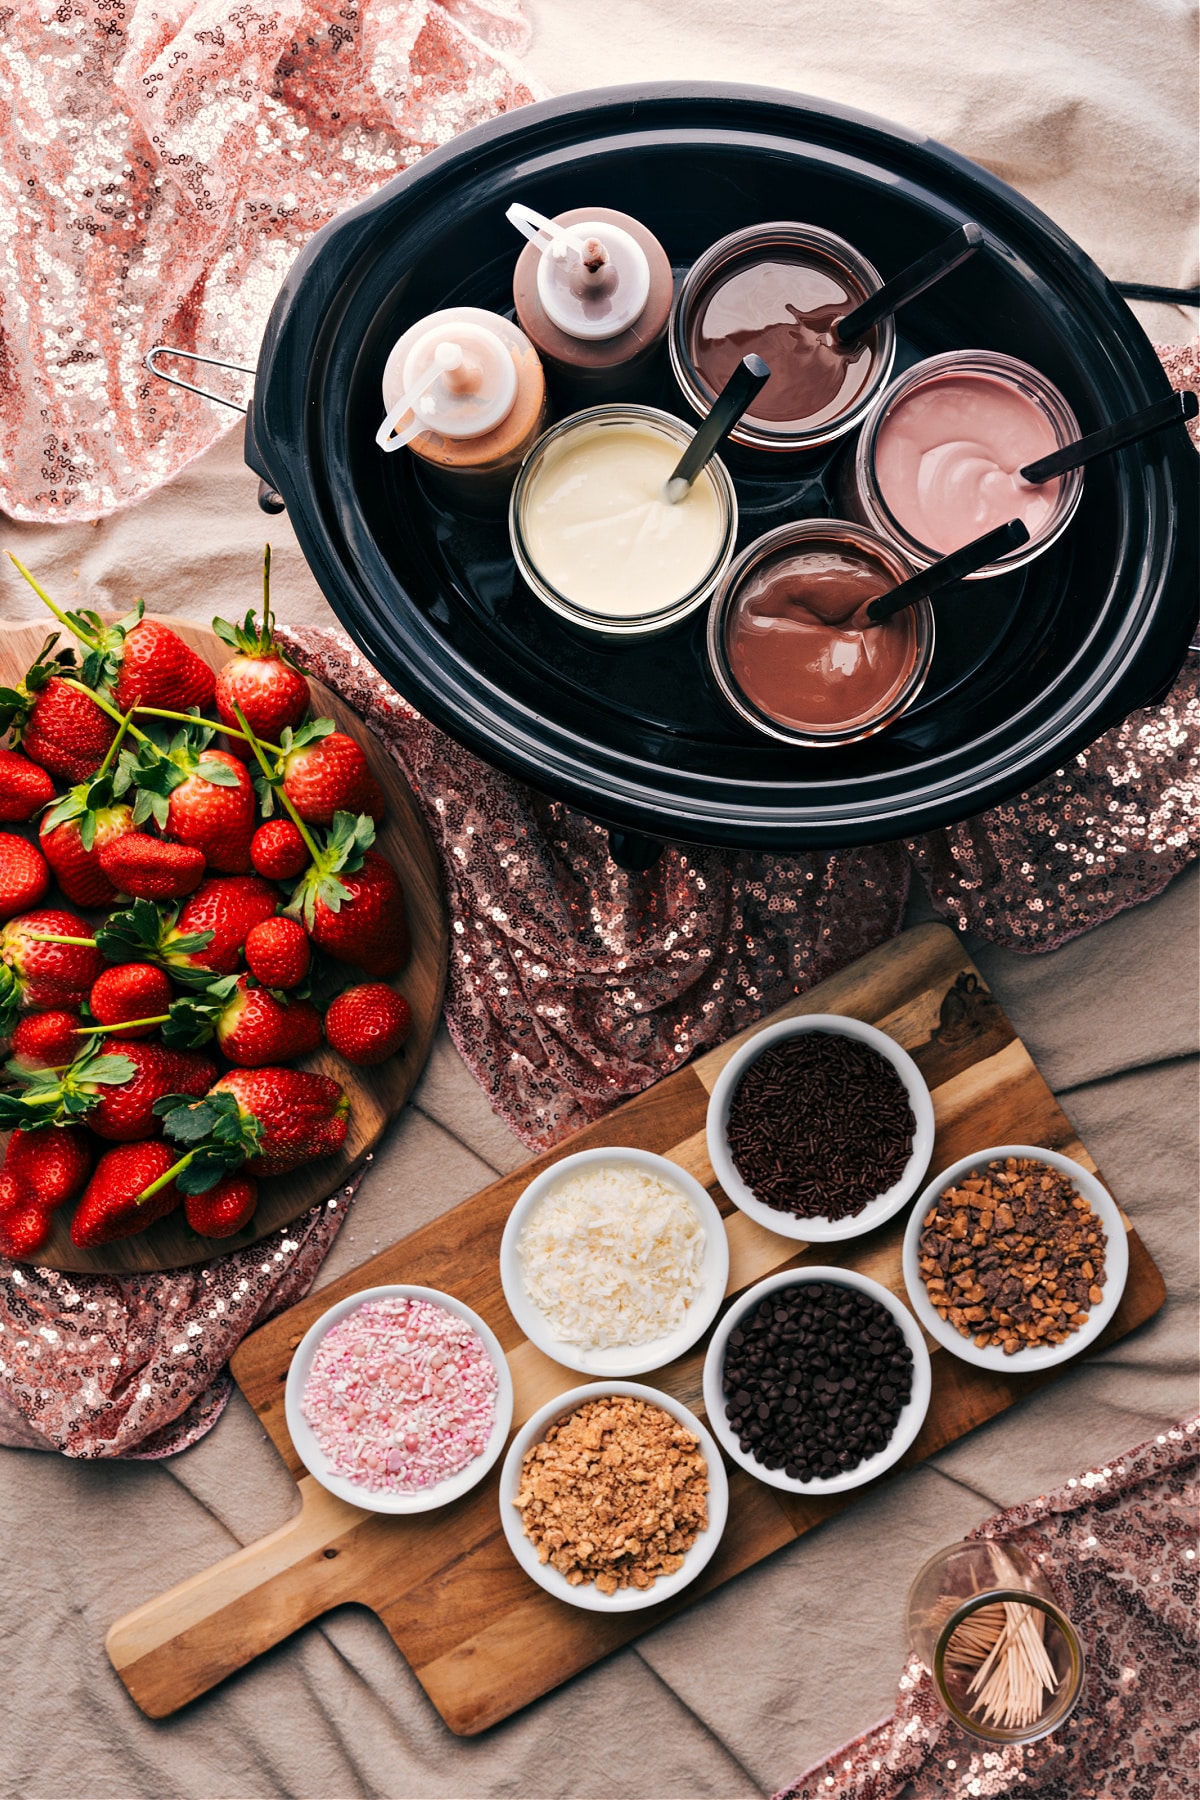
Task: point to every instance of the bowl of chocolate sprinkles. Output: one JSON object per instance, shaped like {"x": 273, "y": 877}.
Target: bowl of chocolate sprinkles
{"x": 816, "y": 1380}
{"x": 820, "y": 1127}
{"x": 1015, "y": 1258}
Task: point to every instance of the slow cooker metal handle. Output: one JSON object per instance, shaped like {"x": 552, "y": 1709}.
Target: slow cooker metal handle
{"x": 269, "y": 499}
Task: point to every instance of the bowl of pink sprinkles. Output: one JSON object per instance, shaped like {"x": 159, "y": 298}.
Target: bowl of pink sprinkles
{"x": 399, "y": 1399}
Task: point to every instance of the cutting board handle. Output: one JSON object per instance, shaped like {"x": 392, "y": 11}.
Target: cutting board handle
{"x": 190, "y": 1638}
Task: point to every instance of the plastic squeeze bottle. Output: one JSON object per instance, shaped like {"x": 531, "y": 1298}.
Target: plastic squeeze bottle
{"x": 593, "y": 291}
{"x": 464, "y": 390}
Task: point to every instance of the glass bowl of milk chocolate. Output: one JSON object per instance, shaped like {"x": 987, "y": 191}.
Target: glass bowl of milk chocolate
{"x": 779, "y": 290}
{"x": 790, "y": 645}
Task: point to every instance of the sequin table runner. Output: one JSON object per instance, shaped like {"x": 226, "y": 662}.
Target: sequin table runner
{"x": 1118, "y": 1547}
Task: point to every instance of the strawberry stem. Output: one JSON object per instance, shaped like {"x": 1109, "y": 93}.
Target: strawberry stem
{"x": 257, "y": 748}
{"x": 113, "y": 747}
{"x": 50, "y": 937}
{"x": 159, "y": 712}
{"x": 266, "y": 591}
{"x": 121, "y": 1025}
{"x": 172, "y": 1172}
{"x": 44, "y": 596}
{"x": 99, "y": 700}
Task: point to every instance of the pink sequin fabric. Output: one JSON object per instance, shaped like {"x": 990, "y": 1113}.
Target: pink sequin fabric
{"x": 1118, "y": 1548}
{"x": 163, "y": 161}
{"x": 135, "y": 1365}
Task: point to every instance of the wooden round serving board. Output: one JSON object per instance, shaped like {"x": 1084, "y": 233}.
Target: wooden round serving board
{"x": 376, "y": 1095}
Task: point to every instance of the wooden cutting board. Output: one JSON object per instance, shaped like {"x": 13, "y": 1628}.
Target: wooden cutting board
{"x": 481, "y": 1637}
{"x": 376, "y": 1095}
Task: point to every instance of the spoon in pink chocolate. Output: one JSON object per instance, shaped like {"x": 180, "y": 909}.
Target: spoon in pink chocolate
{"x": 1176, "y": 409}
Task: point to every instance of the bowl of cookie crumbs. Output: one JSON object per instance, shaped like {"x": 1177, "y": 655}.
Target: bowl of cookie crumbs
{"x": 1015, "y": 1258}
{"x": 613, "y": 1497}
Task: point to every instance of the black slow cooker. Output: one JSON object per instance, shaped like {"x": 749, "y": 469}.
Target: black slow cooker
{"x": 1029, "y": 668}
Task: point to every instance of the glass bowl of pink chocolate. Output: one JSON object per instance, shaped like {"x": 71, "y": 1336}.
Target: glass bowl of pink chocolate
{"x": 399, "y": 1399}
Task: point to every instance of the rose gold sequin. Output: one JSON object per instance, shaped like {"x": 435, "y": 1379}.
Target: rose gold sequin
{"x": 163, "y": 164}
{"x": 1117, "y": 1545}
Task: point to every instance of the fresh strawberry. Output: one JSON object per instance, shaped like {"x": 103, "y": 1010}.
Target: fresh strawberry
{"x": 260, "y": 678}
{"x": 130, "y": 991}
{"x": 40, "y": 976}
{"x": 136, "y": 661}
{"x": 25, "y": 1226}
{"x": 368, "y": 1024}
{"x": 55, "y": 1164}
{"x": 57, "y": 725}
{"x": 76, "y": 830}
{"x": 325, "y": 772}
{"x": 115, "y": 1087}
{"x": 251, "y": 1026}
{"x": 24, "y": 875}
{"x": 25, "y": 789}
{"x": 77, "y": 863}
{"x": 351, "y": 901}
{"x": 225, "y": 1208}
{"x": 150, "y": 868}
{"x": 278, "y": 953}
{"x": 278, "y": 851}
{"x": 159, "y": 669}
{"x": 195, "y": 795}
{"x": 201, "y": 939}
{"x": 269, "y": 1119}
{"x": 115, "y": 1203}
{"x": 47, "y": 1040}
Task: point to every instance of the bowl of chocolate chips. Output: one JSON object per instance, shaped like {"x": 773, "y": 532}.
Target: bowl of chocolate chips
{"x": 816, "y": 1380}
{"x": 1015, "y": 1258}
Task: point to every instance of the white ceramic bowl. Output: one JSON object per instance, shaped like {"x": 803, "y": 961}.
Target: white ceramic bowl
{"x": 619, "y": 1361}
{"x": 1116, "y": 1257}
{"x": 587, "y": 1595}
{"x": 818, "y": 1229}
{"x": 912, "y": 1415}
{"x": 313, "y": 1457}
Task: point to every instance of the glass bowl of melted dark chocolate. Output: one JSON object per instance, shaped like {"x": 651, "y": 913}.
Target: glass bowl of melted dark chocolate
{"x": 790, "y": 645}
{"x": 779, "y": 290}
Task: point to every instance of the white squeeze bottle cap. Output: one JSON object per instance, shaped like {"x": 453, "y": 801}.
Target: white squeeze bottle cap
{"x": 593, "y": 279}
{"x": 458, "y": 379}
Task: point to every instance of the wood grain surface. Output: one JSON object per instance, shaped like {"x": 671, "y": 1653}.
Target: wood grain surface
{"x": 482, "y": 1638}
{"x": 376, "y": 1095}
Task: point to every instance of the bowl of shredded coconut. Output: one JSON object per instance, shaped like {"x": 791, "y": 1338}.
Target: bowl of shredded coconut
{"x": 614, "y": 1261}
{"x": 399, "y": 1399}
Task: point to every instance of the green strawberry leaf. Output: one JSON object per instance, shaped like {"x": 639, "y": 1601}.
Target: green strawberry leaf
{"x": 227, "y": 633}
{"x": 137, "y": 933}
{"x": 212, "y": 1161}
{"x": 192, "y": 1020}
{"x": 219, "y": 773}
{"x": 186, "y": 1122}
{"x": 309, "y": 733}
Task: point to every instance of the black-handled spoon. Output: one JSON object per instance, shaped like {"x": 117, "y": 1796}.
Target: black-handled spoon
{"x": 976, "y": 555}
{"x": 910, "y": 282}
{"x": 1171, "y": 411}
{"x": 734, "y": 399}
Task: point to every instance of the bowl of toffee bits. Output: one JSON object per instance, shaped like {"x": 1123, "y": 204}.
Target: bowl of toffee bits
{"x": 1015, "y": 1258}
{"x": 613, "y": 1497}
{"x": 816, "y": 1380}
{"x": 820, "y": 1127}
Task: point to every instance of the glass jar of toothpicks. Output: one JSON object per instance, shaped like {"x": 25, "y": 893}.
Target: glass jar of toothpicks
{"x": 1006, "y": 1661}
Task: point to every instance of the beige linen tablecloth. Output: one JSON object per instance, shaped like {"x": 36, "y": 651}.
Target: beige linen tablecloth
{"x": 1088, "y": 106}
